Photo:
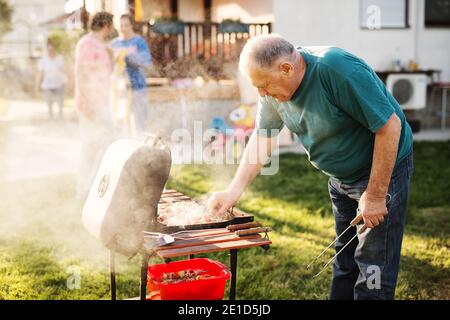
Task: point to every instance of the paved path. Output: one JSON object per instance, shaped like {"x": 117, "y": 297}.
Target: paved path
{"x": 36, "y": 146}
{"x": 432, "y": 135}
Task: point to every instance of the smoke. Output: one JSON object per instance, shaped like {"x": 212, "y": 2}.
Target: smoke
{"x": 38, "y": 174}
{"x": 39, "y": 158}
{"x": 44, "y": 211}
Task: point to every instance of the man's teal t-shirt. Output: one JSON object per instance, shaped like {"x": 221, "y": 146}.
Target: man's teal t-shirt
{"x": 336, "y": 110}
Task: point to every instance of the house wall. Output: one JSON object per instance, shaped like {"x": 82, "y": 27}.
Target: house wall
{"x": 155, "y": 8}
{"x": 27, "y": 35}
{"x": 249, "y": 11}
{"x": 191, "y": 10}
{"x": 150, "y": 9}
{"x": 306, "y": 23}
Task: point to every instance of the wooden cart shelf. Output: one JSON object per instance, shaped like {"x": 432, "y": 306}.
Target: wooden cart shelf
{"x": 220, "y": 244}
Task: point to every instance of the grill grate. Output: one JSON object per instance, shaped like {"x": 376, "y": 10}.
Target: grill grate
{"x": 172, "y": 196}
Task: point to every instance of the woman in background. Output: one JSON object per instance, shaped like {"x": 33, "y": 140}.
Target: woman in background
{"x": 138, "y": 60}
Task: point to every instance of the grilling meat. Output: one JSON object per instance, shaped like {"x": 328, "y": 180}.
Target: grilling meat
{"x": 185, "y": 213}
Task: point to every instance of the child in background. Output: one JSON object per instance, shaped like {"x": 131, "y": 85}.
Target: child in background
{"x": 51, "y": 79}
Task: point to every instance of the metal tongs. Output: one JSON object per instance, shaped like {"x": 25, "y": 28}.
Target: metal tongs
{"x": 158, "y": 239}
{"x": 353, "y": 223}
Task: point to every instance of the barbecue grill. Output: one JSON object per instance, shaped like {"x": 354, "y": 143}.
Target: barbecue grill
{"x": 199, "y": 238}
{"x": 122, "y": 208}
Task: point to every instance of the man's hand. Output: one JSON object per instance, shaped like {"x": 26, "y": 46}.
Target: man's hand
{"x": 373, "y": 209}
{"x": 248, "y": 169}
{"x": 221, "y": 201}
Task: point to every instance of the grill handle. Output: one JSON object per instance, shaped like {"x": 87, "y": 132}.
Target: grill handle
{"x": 253, "y": 231}
{"x": 248, "y": 225}
{"x": 155, "y": 141}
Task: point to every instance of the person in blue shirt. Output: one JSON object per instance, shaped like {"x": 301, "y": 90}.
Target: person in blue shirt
{"x": 355, "y": 132}
{"x": 138, "y": 59}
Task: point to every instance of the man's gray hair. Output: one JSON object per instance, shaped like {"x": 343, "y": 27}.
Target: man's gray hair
{"x": 264, "y": 51}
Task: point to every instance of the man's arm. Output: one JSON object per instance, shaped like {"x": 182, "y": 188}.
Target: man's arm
{"x": 373, "y": 201}
{"x": 254, "y": 157}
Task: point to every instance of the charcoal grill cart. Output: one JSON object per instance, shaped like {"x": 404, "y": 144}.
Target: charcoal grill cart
{"x": 123, "y": 203}
{"x": 200, "y": 239}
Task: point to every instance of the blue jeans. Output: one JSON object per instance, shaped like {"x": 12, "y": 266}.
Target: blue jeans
{"x": 368, "y": 268}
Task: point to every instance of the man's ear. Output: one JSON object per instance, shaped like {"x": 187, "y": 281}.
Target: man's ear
{"x": 286, "y": 68}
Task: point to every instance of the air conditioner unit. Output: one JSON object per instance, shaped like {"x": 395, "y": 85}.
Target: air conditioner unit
{"x": 410, "y": 90}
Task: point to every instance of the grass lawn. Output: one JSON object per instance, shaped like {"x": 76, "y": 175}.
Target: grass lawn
{"x": 42, "y": 240}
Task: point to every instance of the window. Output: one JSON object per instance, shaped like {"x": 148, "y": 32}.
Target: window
{"x": 437, "y": 13}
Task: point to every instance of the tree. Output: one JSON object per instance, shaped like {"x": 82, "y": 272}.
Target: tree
{"x": 5, "y": 17}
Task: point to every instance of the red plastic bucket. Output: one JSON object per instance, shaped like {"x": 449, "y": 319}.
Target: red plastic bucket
{"x": 202, "y": 289}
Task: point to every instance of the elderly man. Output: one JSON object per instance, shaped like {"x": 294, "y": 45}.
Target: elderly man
{"x": 354, "y": 131}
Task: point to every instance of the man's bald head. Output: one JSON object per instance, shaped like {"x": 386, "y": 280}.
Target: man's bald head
{"x": 273, "y": 66}
{"x": 263, "y": 51}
